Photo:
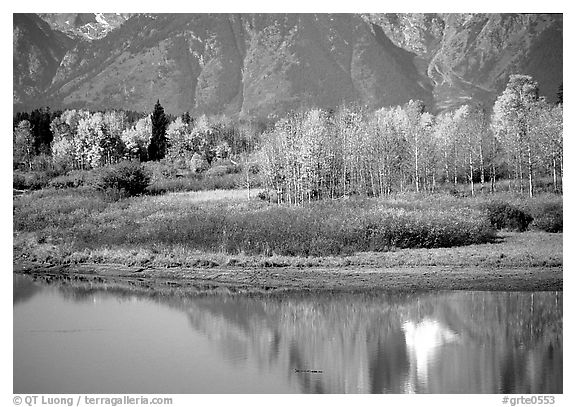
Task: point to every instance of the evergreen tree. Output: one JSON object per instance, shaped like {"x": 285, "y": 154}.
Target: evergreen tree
{"x": 187, "y": 119}
{"x": 560, "y": 95}
{"x": 40, "y": 120}
{"x": 158, "y": 144}
{"x": 20, "y": 116}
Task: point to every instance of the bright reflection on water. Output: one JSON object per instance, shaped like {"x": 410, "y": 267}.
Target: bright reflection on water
{"x": 81, "y": 341}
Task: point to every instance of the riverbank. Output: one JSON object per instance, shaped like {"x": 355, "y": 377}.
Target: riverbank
{"x": 220, "y": 241}
{"x": 230, "y": 280}
{"x": 529, "y": 261}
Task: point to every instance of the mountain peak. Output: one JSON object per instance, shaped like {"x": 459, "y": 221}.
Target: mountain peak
{"x": 267, "y": 64}
{"x": 86, "y": 26}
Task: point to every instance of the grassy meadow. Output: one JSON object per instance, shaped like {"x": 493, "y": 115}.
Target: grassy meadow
{"x": 226, "y": 228}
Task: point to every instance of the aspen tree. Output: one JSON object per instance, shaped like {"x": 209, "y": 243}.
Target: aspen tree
{"x": 511, "y": 120}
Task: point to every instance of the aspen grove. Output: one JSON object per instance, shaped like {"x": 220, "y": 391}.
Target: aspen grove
{"x": 319, "y": 154}
{"x": 316, "y": 154}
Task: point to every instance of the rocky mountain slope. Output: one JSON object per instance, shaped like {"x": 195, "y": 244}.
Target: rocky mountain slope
{"x": 471, "y": 56}
{"x": 264, "y": 65}
{"x": 37, "y": 53}
{"x": 86, "y": 26}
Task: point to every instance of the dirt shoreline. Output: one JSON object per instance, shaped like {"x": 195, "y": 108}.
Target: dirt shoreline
{"x": 236, "y": 280}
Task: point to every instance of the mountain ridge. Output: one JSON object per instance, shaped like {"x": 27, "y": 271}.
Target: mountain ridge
{"x": 263, "y": 65}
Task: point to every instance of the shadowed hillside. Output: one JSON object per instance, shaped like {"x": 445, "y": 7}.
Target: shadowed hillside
{"x": 264, "y": 65}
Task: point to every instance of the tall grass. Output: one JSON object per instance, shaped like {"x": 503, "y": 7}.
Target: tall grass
{"x": 164, "y": 179}
{"x": 78, "y": 218}
{"x": 197, "y": 183}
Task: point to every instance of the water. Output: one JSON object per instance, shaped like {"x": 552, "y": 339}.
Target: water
{"x": 82, "y": 341}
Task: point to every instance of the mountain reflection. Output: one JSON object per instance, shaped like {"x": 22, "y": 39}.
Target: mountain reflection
{"x": 424, "y": 343}
{"x": 423, "y": 340}
{"x": 431, "y": 342}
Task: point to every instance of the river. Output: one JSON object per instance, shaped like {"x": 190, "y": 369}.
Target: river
{"x": 79, "y": 340}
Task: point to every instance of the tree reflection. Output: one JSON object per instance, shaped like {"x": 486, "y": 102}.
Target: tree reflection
{"x": 435, "y": 342}
{"x": 427, "y": 342}
{"x": 388, "y": 363}
{"x": 23, "y": 289}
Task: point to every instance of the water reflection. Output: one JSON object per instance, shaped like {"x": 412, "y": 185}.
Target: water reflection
{"x": 23, "y": 289}
{"x": 447, "y": 342}
{"x": 423, "y": 342}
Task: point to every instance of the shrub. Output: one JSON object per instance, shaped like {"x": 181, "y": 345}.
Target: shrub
{"x": 263, "y": 195}
{"x": 18, "y": 181}
{"x": 253, "y": 168}
{"x": 161, "y": 169}
{"x": 30, "y": 180}
{"x": 251, "y": 227}
{"x": 63, "y": 181}
{"x": 220, "y": 170}
{"x": 42, "y": 162}
{"x": 217, "y": 171}
{"x": 198, "y": 182}
{"x": 548, "y": 217}
{"x": 198, "y": 163}
{"x": 502, "y": 215}
{"x": 127, "y": 178}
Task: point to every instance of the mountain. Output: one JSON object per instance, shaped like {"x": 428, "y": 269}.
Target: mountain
{"x": 37, "y": 53}
{"x": 266, "y": 64}
{"x": 471, "y": 56}
{"x": 86, "y": 26}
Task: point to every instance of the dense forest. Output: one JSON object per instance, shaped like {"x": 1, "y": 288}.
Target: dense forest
{"x": 313, "y": 154}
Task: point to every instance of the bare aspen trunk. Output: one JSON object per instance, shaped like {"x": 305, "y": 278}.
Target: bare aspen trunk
{"x": 416, "y": 169}
{"x": 555, "y": 180}
{"x": 493, "y": 178}
{"x": 363, "y": 180}
{"x": 248, "y": 181}
{"x": 372, "y": 182}
{"x": 521, "y": 176}
{"x": 344, "y": 179}
{"x": 455, "y": 168}
{"x": 471, "y": 173}
{"x": 416, "y": 176}
{"x": 561, "y": 174}
{"x": 530, "y": 172}
{"x": 447, "y": 168}
{"x": 295, "y": 187}
{"x": 482, "y": 171}
{"x": 388, "y": 180}
{"x": 29, "y": 156}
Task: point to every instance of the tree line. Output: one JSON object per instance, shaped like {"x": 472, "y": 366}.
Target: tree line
{"x": 319, "y": 154}
{"x": 81, "y": 139}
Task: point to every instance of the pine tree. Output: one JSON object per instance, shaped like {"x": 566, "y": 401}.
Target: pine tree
{"x": 187, "y": 119}
{"x": 158, "y": 144}
{"x": 40, "y": 124}
{"x": 560, "y": 95}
